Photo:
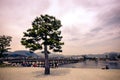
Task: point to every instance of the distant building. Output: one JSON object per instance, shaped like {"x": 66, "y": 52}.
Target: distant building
{"x": 113, "y": 56}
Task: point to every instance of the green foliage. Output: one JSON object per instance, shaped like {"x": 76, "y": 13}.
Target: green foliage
{"x": 4, "y": 44}
{"x": 44, "y": 31}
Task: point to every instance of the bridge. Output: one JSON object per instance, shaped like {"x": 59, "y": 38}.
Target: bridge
{"x": 40, "y": 62}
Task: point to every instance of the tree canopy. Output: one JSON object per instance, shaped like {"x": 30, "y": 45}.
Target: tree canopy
{"x": 44, "y": 31}
{"x": 4, "y": 44}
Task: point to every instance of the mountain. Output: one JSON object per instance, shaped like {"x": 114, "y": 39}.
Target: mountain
{"x": 21, "y": 53}
{"x": 25, "y": 53}
{"x": 104, "y": 55}
{"x": 51, "y": 55}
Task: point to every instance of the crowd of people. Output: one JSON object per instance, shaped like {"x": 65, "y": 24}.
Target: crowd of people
{"x": 34, "y": 64}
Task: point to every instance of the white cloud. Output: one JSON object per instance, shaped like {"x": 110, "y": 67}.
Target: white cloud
{"x": 85, "y": 23}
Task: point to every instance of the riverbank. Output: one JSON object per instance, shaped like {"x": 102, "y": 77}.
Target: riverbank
{"x": 31, "y": 73}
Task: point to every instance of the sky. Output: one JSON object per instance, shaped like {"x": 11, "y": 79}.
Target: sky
{"x": 88, "y": 26}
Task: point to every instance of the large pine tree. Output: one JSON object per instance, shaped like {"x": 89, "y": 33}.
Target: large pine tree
{"x": 44, "y": 34}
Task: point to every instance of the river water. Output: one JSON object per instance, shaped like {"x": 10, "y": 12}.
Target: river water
{"x": 94, "y": 64}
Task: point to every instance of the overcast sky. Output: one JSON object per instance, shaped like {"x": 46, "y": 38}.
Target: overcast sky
{"x": 89, "y": 26}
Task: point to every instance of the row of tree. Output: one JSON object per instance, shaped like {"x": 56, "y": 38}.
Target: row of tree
{"x": 44, "y": 34}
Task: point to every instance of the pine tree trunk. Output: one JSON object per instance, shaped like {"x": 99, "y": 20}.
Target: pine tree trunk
{"x": 47, "y": 67}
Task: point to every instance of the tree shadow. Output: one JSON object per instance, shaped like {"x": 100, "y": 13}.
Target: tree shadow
{"x": 54, "y": 72}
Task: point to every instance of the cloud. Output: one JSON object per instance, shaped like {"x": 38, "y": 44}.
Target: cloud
{"x": 16, "y": 17}
{"x": 87, "y": 25}
{"x": 108, "y": 20}
{"x": 105, "y": 25}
